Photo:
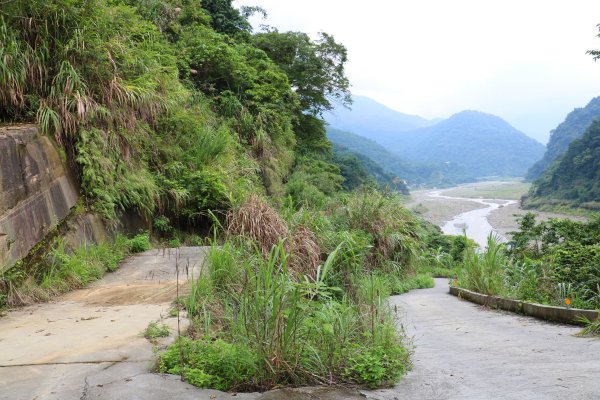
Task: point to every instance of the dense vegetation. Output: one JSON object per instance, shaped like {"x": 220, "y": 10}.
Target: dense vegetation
{"x": 359, "y": 170}
{"x": 546, "y": 262}
{"x": 174, "y": 110}
{"x": 299, "y": 297}
{"x": 570, "y": 129}
{"x": 574, "y": 179}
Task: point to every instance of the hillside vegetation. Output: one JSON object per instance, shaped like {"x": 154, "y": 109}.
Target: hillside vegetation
{"x": 574, "y": 179}
{"x": 176, "y": 111}
{"x": 570, "y": 129}
{"x": 414, "y": 173}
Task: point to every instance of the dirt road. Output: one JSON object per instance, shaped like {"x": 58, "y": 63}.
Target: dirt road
{"x": 466, "y": 352}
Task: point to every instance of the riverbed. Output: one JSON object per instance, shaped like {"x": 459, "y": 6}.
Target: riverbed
{"x": 479, "y": 208}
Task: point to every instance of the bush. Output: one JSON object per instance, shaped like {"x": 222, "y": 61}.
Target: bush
{"x": 211, "y": 364}
{"x": 139, "y": 243}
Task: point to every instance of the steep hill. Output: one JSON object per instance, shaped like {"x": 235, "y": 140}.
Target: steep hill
{"x": 572, "y": 128}
{"x": 415, "y": 173}
{"x": 373, "y": 120}
{"x": 483, "y": 144}
{"x": 574, "y": 179}
{"x": 358, "y": 170}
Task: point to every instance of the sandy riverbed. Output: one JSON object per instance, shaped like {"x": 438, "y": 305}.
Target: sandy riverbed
{"x": 504, "y": 220}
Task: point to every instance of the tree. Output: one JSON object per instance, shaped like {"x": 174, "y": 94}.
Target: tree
{"x": 595, "y": 53}
{"x": 315, "y": 68}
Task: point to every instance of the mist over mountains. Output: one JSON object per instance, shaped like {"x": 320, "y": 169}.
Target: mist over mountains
{"x": 469, "y": 145}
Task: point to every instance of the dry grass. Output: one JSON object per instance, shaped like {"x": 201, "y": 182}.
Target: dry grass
{"x": 305, "y": 252}
{"x": 255, "y": 219}
{"x": 258, "y": 221}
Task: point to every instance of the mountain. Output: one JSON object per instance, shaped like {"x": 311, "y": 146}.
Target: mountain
{"x": 573, "y": 179}
{"x": 358, "y": 170}
{"x": 373, "y": 120}
{"x": 482, "y": 144}
{"x": 436, "y": 174}
{"x": 572, "y": 128}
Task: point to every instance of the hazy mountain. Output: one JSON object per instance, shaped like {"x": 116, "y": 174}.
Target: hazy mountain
{"x": 574, "y": 178}
{"x": 437, "y": 174}
{"x": 572, "y": 128}
{"x": 373, "y": 120}
{"x": 483, "y": 144}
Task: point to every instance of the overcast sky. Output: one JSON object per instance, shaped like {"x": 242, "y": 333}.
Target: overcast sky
{"x": 523, "y": 60}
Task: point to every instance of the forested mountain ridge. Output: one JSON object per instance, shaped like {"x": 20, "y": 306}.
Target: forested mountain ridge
{"x": 483, "y": 144}
{"x": 573, "y": 127}
{"x": 574, "y": 179}
{"x": 414, "y": 173}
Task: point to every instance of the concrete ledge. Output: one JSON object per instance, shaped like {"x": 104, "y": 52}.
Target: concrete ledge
{"x": 540, "y": 311}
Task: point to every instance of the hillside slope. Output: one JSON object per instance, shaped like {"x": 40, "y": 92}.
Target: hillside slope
{"x": 572, "y": 128}
{"x": 414, "y": 173}
{"x": 574, "y": 179}
{"x": 483, "y": 144}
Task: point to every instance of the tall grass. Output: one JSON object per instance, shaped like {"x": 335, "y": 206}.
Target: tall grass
{"x": 483, "y": 271}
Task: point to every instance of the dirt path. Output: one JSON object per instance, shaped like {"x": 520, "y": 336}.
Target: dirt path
{"x": 466, "y": 352}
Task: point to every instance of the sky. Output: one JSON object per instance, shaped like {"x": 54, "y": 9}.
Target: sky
{"x": 523, "y": 60}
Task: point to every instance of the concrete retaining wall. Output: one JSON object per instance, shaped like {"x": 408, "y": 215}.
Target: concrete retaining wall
{"x": 540, "y": 311}
{"x": 35, "y": 190}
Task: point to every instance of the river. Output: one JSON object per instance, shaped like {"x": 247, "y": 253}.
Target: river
{"x": 475, "y": 222}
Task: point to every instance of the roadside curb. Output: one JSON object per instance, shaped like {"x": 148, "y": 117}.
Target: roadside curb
{"x": 548, "y": 313}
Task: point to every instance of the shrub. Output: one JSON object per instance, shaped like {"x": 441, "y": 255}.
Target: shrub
{"x": 139, "y": 243}
{"x": 213, "y": 364}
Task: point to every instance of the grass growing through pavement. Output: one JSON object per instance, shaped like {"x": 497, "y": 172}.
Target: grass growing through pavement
{"x": 154, "y": 330}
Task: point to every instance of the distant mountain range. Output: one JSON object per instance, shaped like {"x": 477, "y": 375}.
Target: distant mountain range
{"x": 467, "y": 146}
{"x": 572, "y": 128}
{"x": 373, "y": 120}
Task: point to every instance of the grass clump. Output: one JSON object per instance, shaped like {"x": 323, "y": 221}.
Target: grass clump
{"x": 592, "y": 328}
{"x": 139, "y": 243}
{"x": 154, "y": 330}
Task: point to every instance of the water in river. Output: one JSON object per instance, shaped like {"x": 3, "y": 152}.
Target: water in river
{"x": 475, "y": 222}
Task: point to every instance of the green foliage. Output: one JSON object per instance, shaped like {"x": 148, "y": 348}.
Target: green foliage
{"x": 574, "y": 179}
{"x": 154, "y": 330}
{"x": 139, "y": 243}
{"x": 315, "y": 68}
{"x": 573, "y": 127}
{"x": 212, "y": 364}
{"x": 483, "y": 272}
{"x": 378, "y": 366}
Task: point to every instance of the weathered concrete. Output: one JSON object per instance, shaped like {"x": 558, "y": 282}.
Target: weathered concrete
{"x": 92, "y": 336}
{"x": 547, "y": 313}
{"x": 463, "y": 351}
{"x": 35, "y": 190}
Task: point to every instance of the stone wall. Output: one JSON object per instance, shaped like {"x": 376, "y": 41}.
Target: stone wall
{"x": 35, "y": 190}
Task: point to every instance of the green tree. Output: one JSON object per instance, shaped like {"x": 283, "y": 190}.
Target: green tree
{"x": 315, "y": 68}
